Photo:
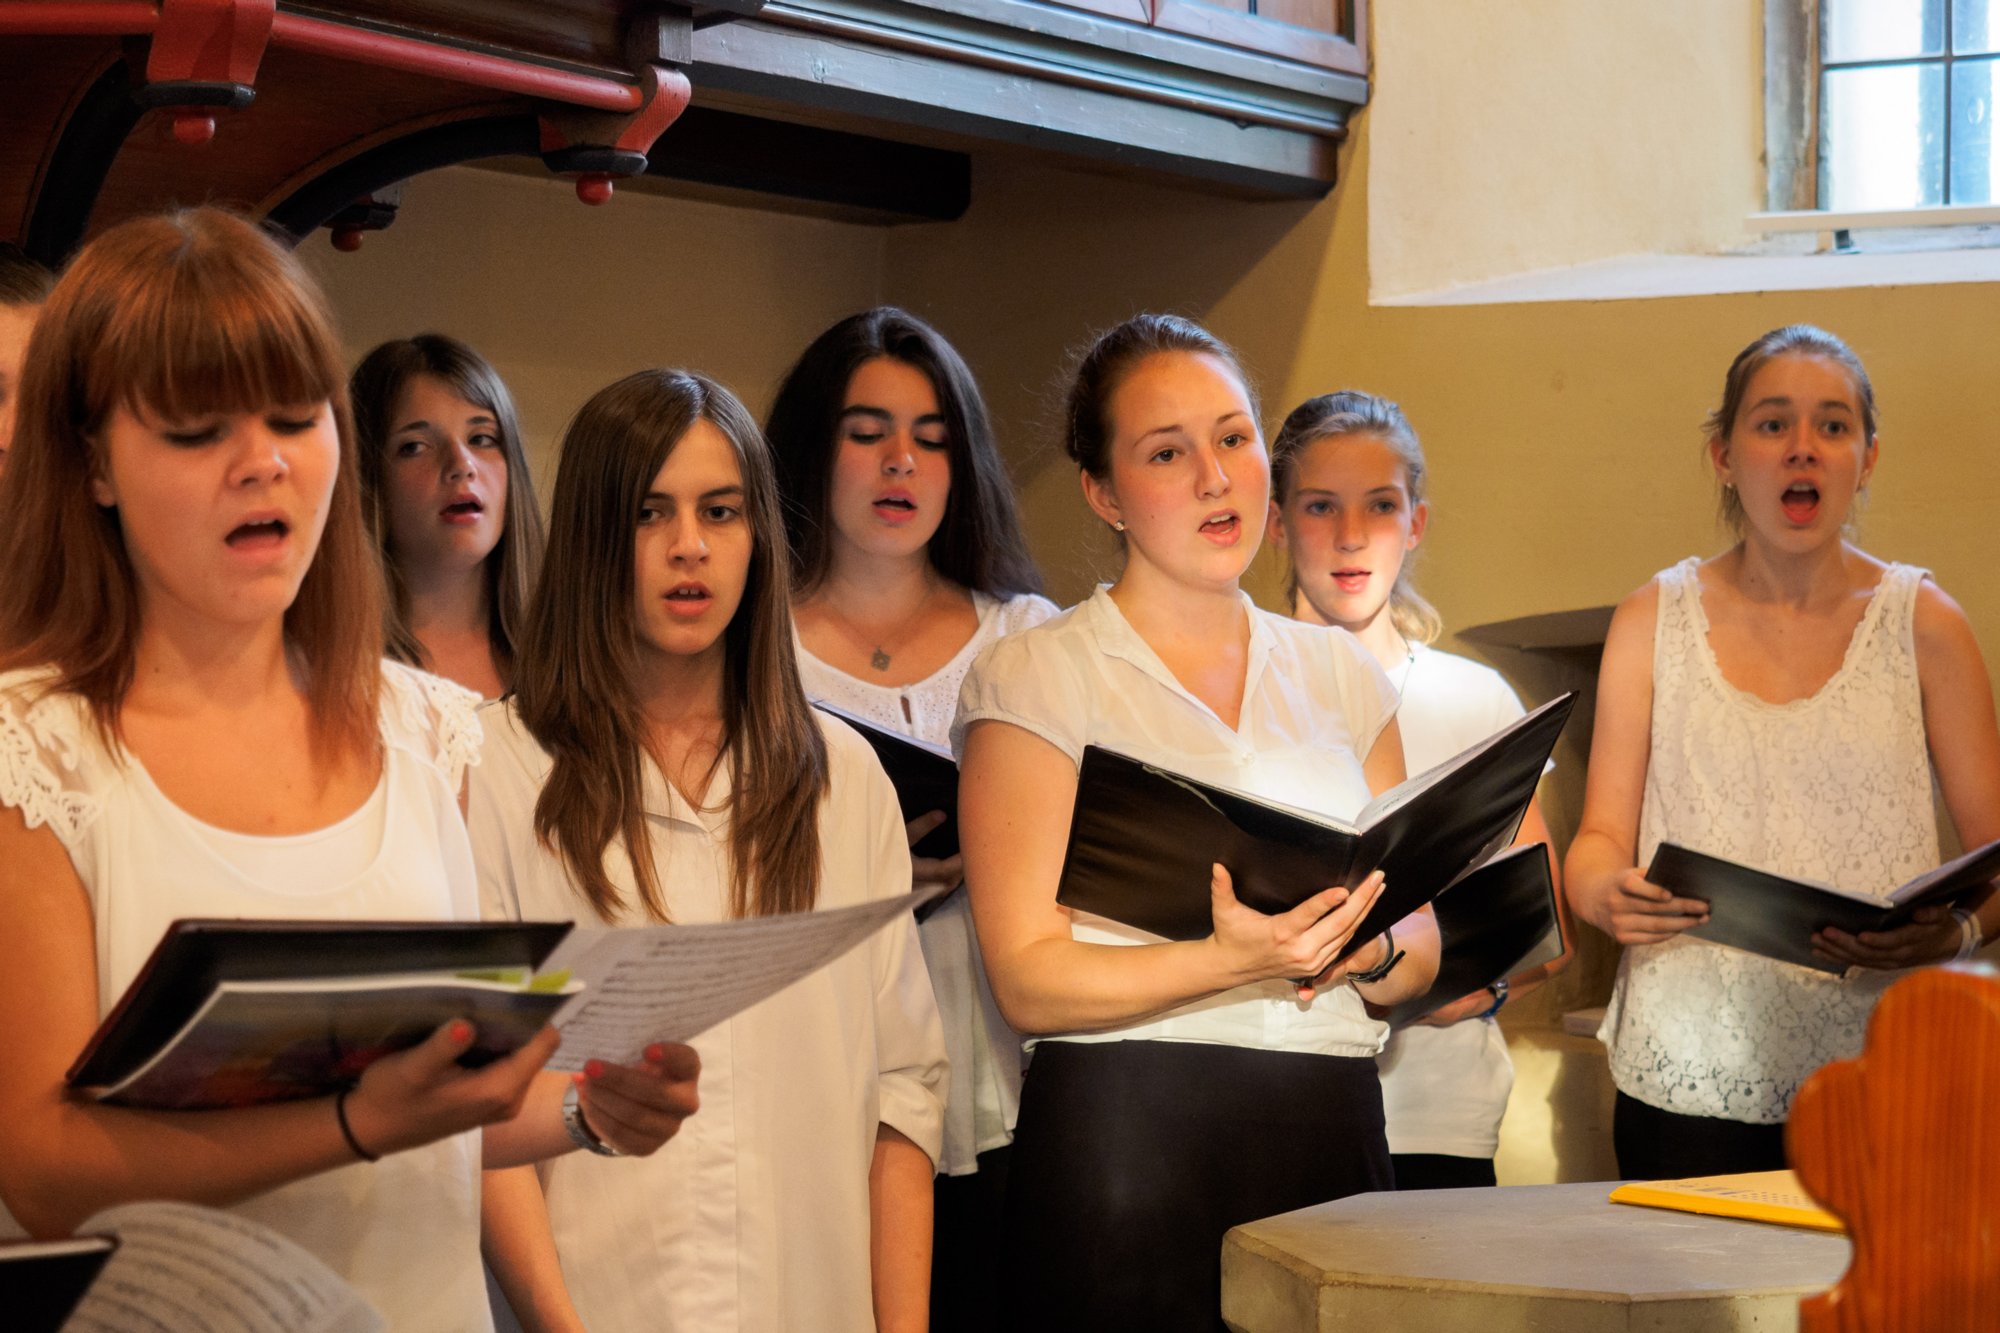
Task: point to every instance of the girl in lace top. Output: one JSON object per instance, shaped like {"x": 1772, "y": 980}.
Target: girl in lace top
{"x": 907, "y": 560}
{"x": 196, "y": 721}
{"x": 1785, "y": 705}
{"x": 451, "y": 505}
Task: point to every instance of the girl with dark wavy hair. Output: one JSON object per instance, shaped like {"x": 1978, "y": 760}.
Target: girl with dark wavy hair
{"x": 907, "y": 560}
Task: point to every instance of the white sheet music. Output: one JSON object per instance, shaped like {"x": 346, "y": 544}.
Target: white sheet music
{"x": 199, "y": 1270}
{"x": 644, "y": 984}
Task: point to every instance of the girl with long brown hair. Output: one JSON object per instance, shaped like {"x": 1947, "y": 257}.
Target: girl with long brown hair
{"x": 449, "y": 501}
{"x": 658, "y": 761}
{"x": 196, "y": 721}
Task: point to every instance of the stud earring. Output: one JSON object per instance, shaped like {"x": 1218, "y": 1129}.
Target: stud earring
{"x": 1118, "y": 526}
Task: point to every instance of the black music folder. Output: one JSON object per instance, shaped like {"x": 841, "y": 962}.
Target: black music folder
{"x": 1499, "y": 918}
{"x": 235, "y": 1012}
{"x": 1776, "y": 915}
{"x": 925, "y": 777}
{"x": 1142, "y": 837}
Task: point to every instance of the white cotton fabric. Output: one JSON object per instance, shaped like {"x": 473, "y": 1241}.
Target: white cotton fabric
{"x": 1835, "y": 787}
{"x": 1313, "y": 703}
{"x": 985, "y": 1053}
{"x": 1444, "y": 1090}
{"x": 755, "y": 1215}
{"x": 404, "y": 1231}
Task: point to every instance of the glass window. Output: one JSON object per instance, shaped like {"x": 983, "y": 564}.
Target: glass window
{"x": 1906, "y": 105}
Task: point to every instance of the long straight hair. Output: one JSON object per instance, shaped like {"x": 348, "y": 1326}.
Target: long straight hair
{"x": 576, "y": 683}
{"x": 176, "y": 316}
{"x": 1332, "y": 416}
{"x": 516, "y": 558}
{"x": 978, "y": 543}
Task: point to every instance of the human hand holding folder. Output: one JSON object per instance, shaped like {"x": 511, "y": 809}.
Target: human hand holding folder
{"x": 1303, "y": 944}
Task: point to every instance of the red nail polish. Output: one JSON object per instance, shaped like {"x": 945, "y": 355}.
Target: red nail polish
{"x": 656, "y": 1052}
{"x": 593, "y": 1069}
{"x": 461, "y": 1030}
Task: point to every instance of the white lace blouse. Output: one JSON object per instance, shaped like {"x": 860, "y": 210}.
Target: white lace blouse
{"x": 1835, "y": 787}
{"x": 404, "y": 1231}
{"x": 985, "y": 1053}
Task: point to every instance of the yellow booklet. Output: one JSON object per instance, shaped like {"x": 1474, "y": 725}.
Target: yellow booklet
{"x": 1759, "y": 1196}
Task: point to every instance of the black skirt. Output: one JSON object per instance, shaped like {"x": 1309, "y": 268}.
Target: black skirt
{"x": 1132, "y": 1158}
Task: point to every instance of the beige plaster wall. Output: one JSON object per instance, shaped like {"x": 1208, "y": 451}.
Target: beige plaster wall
{"x": 565, "y": 298}
{"x": 1545, "y": 133}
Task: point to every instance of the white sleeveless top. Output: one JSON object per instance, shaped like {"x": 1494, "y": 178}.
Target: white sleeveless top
{"x": 404, "y": 1231}
{"x": 1835, "y": 787}
{"x": 985, "y": 1053}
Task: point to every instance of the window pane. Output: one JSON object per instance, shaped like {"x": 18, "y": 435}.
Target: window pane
{"x": 1975, "y": 26}
{"x": 1975, "y": 153}
{"x": 1881, "y": 29}
{"x": 1881, "y": 141}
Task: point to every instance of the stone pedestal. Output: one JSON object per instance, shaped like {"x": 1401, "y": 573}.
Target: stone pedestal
{"x": 1510, "y": 1260}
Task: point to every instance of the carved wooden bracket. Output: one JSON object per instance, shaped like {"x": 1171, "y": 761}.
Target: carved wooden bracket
{"x": 1895, "y": 1142}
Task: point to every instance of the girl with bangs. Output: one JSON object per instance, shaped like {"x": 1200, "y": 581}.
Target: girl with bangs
{"x": 658, "y": 761}
{"x": 450, "y": 502}
{"x": 196, "y": 721}
{"x": 907, "y": 560}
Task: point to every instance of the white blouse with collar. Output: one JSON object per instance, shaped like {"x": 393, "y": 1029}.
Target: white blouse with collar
{"x": 1313, "y": 703}
{"x": 755, "y": 1216}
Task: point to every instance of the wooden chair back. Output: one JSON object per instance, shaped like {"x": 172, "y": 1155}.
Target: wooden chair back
{"x": 1900, "y": 1144}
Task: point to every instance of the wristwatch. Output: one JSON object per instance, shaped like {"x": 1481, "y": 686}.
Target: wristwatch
{"x": 1390, "y": 958}
{"x": 1499, "y": 990}
{"x": 579, "y": 1130}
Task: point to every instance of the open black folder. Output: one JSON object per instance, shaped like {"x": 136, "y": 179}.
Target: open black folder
{"x": 1499, "y": 918}
{"x": 41, "y": 1282}
{"x": 925, "y": 777}
{"x": 1776, "y": 916}
{"x": 1142, "y": 838}
{"x": 293, "y": 973}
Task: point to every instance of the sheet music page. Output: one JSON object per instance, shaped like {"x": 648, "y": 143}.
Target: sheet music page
{"x": 644, "y": 984}
{"x": 200, "y": 1270}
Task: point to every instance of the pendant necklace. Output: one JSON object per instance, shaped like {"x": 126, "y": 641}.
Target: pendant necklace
{"x": 1409, "y": 669}
{"x": 880, "y": 658}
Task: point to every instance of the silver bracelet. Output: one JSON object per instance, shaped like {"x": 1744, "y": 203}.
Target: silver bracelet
{"x": 579, "y": 1130}
{"x": 1970, "y": 936}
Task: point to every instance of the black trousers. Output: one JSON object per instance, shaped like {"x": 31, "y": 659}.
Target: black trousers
{"x": 1133, "y": 1158}
{"x": 1664, "y": 1145}
{"x": 1437, "y": 1171}
{"x": 965, "y": 1246}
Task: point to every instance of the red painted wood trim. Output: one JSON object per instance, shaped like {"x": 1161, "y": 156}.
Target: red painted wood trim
{"x": 338, "y": 41}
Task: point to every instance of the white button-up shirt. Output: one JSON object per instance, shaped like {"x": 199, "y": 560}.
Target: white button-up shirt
{"x": 755, "y": 1215}
{"x": 1313, "y": 703}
